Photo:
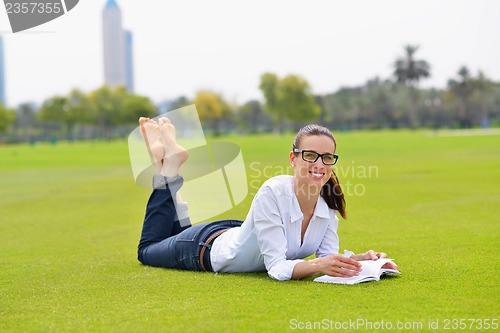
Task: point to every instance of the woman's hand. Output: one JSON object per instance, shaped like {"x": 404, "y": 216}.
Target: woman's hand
{"x": 337, "y": 265}
{"x": 372, "y": 255}
{"x": 369, "y": 255}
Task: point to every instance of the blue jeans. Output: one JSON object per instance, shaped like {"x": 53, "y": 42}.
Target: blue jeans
{"x": 166, "y": 243}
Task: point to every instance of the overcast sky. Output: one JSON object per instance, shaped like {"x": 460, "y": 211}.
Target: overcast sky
{"x": 224, "y": 45}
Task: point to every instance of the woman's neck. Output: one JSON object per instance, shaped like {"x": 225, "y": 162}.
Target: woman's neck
{"x": 307, "y": 196}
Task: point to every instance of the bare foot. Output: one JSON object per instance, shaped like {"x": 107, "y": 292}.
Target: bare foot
{"x": 154, "y": 141}
{"x": 174, "y": 154}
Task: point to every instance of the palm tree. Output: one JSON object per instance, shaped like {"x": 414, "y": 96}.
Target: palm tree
{"x": 483, "y": 97}
{"x": 408, "y": 71}
{"x": 463, "y": 88}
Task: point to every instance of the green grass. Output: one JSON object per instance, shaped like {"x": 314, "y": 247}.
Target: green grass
{"x": 71, "y": 217}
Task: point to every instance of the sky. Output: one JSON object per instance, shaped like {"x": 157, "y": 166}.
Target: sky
{"x": 184, "y": 46}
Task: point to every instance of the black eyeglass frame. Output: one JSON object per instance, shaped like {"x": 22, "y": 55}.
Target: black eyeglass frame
{"x": 296, "y": 150}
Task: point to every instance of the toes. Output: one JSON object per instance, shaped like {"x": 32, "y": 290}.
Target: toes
{"x": 142, "y": 120}
{"x": 166, "y": 125}
{"x": 162, "y": 121}
{"x": 150, "y": 124}
{"x": 165, "y": 120}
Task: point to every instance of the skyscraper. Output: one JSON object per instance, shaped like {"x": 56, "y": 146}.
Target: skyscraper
{"x": 2, "y": 75}
{"x": 118, "y": 68}
{"x": 129, "y": 61}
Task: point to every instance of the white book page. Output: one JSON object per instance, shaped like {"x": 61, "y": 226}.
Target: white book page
{"x": 372, "y": 267}
{"x": 370, "y": 271}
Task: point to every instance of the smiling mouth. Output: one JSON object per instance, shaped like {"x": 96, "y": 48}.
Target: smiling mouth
{"x": 317, "y": 174}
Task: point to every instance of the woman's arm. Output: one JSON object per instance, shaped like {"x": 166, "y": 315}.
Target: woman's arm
{"x": 270, "y": 233}
{"x": 334, "y": 265}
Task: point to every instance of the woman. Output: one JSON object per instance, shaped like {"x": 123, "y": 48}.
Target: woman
{"x": 291, "y": 217}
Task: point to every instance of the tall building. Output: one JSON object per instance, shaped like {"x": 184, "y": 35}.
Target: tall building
{"x": 118, "y": 68}
{"x": 2, "y": 75}
{"x": 129, "y": 61}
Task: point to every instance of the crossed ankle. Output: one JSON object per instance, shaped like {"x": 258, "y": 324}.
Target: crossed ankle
{"x": 161, "y": 181}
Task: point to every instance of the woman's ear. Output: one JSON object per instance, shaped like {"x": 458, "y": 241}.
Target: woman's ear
{"x": 292, "y": 158}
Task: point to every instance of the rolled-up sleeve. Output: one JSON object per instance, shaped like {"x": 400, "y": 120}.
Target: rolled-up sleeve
{"x": 271, "y": 236}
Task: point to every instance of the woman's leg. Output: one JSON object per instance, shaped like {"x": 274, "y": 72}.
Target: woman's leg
{"x": 161, "y": 217}
{"x": 161, "y": 225}
{"x": 153, "y": 137}
{"x": 161, "y": 221}
{"x": 182, "y": 251}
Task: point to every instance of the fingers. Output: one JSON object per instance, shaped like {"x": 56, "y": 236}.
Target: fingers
{"x": 340, "y": 266}
{"x": 390, "y": 265}
{"x": 382, "y": 255}
{"x": 372, "y": 255}
{"x": 344, "y": 273}
{"x": 348, "y": 263}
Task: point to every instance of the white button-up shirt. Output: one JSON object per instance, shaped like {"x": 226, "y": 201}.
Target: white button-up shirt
{"x": 270, "y": 237}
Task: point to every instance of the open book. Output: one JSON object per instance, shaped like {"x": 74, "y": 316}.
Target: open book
{"x": 371, "y": 271}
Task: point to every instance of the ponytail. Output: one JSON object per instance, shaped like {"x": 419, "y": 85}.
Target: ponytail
{"x": 333, "y": 195}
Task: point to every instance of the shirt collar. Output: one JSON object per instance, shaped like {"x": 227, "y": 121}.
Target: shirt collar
{"x": 321, "y": 210}
{"x": 295, "y": 212}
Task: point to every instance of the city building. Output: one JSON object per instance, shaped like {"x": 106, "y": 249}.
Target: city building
{"x": 118, "y": 61}
{"x": 129, "y": 61}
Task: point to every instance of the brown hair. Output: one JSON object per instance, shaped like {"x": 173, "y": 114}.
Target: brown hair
{"x": 331, "y": 191}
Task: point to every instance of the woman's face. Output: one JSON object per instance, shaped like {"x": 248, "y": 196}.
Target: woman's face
{"x": 317, "y": 172}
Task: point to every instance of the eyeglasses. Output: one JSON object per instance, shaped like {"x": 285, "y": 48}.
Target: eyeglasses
{"x": 311, "y": 156}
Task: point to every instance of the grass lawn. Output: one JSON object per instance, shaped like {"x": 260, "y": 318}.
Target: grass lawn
{"x": 71, "y": 217}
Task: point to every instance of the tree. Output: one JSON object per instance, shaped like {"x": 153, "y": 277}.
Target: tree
{"x": 136, "y": 106}
{"x": 342, "y": 108}
{"x": 7, "y": 117}
{"x": 296, "y": 99}
{"x": 53, "y": 111}
{"x": 106, "y": 106}
{"x": 380, "y": 106}
{"x": 78, "y": 110}
{"x": 483, "y": 98}
{"x": 289, "y": 98}
{"x": 179, "y": 102}
{"x": 269, "y": 83}
{"x": 66, "y": 110}
{"x": 408, "y": 71}
{"x": 251, "y": 115}
{"x": 433, "y": 114}
{"x": 26, "y": 120}
{"x": 462, "y": 87}
{"x": 211, "y": 108}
